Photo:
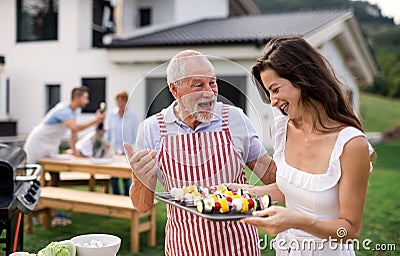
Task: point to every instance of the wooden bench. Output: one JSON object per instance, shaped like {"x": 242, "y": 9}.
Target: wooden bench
{"x": 82, "y": 178}
{"x": 100, "y": 204}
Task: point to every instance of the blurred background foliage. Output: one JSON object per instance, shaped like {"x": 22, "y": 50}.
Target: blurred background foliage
{"x": 382, "y": 33}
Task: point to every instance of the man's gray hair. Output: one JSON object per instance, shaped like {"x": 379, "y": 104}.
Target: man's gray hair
{"x": 176, "y": 67}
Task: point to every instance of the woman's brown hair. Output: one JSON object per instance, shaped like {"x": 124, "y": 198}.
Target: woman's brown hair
{"x": 322, "y": 93}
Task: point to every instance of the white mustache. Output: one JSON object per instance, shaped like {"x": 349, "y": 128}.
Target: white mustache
{"x": 202, "y": 101}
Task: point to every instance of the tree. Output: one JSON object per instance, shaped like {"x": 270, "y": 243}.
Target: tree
{"x": 381, "y": 33}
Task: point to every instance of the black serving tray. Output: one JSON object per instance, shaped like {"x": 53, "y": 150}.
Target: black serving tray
{"x": 214, "y": 216}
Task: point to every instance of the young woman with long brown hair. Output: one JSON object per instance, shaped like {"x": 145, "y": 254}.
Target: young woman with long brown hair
{"x": 321, "y": 153}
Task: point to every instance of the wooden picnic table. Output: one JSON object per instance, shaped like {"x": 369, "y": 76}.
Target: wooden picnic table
{"x": 93, "y": 202}
{"x": 115, "y": 167}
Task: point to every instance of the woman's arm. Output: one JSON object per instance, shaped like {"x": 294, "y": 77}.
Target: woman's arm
{"x": 355, "y": 162}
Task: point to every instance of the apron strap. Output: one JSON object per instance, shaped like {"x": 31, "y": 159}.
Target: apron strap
{"x": 225, "y": 114}
{"x": 161, "y": 123}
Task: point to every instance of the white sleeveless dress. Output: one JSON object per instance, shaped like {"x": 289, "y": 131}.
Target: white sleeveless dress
{"x": 315, "y": 195}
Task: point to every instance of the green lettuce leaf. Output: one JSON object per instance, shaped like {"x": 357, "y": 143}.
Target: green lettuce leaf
{"x": 63, "y": 248}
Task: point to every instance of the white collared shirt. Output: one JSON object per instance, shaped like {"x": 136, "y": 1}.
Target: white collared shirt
{"x": 121, "y": 129}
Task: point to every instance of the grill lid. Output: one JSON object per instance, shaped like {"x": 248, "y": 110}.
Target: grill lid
{"x": 10, "y": 159}
{"x": 11, "y": 156}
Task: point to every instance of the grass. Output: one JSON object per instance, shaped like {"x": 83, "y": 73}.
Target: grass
{"x": 86, "y": 223}
{"x": 381, "y": 223}
{"x": 379, "y": 113}
{"x": 381, "y": 216}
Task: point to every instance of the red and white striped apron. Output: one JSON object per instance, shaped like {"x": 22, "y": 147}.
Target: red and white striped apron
{"x": 205, "y": 159}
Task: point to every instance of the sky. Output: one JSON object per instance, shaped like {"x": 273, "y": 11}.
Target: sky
{"x": 389, "y": 8}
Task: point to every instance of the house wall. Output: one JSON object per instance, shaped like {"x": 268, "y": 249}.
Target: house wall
{"x": 32, "y": 65}
{"x": 332, "y": 53}
{"x": 172, "y": 11}
{"x": 81, "y": 25}
{"x": 189, "y": 10}
{"x": 162, "y": 11}
{"x": 129, "y": 16}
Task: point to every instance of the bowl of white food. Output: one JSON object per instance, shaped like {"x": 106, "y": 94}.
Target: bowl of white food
{"x": 96, "y": 245}
{"x": 21, "y": 254}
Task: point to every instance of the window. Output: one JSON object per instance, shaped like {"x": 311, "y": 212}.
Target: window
{"x": 103, "y": 21}
{"x": 8, "y": 96}
{"x": 97, "y": 93}
{"x": 158, "y": 95}
{"x": 52, "y": 95}
{"x": 231, "y": 90}
{"x": 37, "y": 20}
{"x": 144, "y": 17}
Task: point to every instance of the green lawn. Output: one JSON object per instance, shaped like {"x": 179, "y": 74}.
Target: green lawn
{"x": 381, "y": 222}
{"x": 379, "y": 113}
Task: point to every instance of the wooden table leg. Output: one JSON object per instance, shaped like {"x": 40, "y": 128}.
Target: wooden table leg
{"x": 134, "y": 246}
{"x": 28, "y": 223}
{"x": 42, "y": 178}
{"x": 92, "y": 182}
{"x": 45, "y": 218}
{"x": 151, "y": 236}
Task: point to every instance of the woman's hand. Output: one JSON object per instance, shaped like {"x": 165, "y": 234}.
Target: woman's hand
{"x": 77, "y": 153}
{"x": 274, "y": 219}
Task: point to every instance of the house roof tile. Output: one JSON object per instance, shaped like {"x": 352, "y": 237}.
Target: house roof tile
{"x": 253, "y": 29}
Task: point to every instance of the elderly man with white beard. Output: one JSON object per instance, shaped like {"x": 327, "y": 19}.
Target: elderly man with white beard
{"x": 197, "y": 141}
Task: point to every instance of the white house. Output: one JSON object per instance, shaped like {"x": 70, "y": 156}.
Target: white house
{"x": 51, "y": 46}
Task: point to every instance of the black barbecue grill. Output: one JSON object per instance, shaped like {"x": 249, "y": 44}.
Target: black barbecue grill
{"x": 19, "y": 193}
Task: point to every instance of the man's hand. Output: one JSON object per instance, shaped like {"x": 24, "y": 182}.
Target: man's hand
{"x": 100, "y": 116}
{"x": 144, "y": 177}
{"x": 143, "y": 165}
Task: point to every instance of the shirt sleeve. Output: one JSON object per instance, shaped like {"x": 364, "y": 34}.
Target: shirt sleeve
{"x": 60, "y": 115}
{"x": 245, "y": 138}
{"x": 148, "y": 135}
{"x": 108, "y": 128}
{"x": 66, "y": 114}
